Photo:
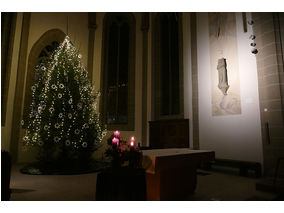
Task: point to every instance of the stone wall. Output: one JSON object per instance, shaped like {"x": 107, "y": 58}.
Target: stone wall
{"x": 268, "y": 29}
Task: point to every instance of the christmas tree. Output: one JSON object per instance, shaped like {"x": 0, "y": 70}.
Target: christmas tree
{"x": 63, "y": 123}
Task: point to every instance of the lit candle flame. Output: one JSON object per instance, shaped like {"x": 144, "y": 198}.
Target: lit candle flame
{"x": 132, "y": 142}
{"x": 115, "y": 141}
{"x": 116, "y": 134}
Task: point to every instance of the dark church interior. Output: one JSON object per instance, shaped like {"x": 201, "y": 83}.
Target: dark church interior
{"x": 142, "y": 106}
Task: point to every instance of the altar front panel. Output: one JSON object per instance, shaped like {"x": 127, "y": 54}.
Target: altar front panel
{"x": 171, "y": 173}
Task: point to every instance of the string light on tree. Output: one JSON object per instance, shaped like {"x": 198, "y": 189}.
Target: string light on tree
{"x": 62, "y": 106}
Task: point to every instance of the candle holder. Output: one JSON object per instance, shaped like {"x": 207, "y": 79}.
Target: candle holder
{"x": 135, "y": 158}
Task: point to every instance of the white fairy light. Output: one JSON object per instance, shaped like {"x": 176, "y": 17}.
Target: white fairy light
{"x": 67, "y": 142}
{"x": 34, "y": 138}
{"x": 56, "y": 139}
{"x": 79, "y": 105}
{"x": 65, "y": 58}
{"x": 39, "y": 109}
{"x": 69, "y": 115}
{"x": 46, "y": 127}
{"x": 91, "y": 121}
{"x": 51, "y": 109}
{"x": 85, "y": 126}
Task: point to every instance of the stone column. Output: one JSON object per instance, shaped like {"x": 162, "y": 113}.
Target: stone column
{"x": 195, "y": 117}
{"x": 145, "y": 29}
{"x": 7, "y": 40}
{"x": 19, "y": 93}
{"x": 92, "y": 28}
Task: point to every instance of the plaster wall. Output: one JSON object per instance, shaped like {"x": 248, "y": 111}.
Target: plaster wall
{"x": 235, "y": 137}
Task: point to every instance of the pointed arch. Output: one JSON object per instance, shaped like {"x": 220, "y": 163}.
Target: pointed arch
{"x": 118, "y": 71}
{"x": 167, "y": 66}
{"x": 40, "y": 51}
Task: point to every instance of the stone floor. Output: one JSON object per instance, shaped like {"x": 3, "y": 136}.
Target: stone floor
{"x": 217, "y": 186}
{"x": 211, "y": 186}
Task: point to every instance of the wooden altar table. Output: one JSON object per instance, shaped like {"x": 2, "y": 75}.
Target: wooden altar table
{"x": 171, "y": 173}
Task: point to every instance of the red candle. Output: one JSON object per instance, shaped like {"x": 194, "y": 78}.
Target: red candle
{"x": 116, "y": 134}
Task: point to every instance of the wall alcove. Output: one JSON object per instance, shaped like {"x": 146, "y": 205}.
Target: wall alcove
{"x": 40, "y": 51}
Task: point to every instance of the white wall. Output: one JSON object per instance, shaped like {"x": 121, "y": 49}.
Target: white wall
{"x": 232, "y": 136}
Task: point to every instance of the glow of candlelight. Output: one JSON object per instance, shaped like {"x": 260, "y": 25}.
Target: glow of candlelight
{"x": 132, "y": 142}
{"x": 116, "y": 134}
{"x": 115, "y": 141}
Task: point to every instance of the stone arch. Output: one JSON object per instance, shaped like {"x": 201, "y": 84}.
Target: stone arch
{"x": 53, "y": 35}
